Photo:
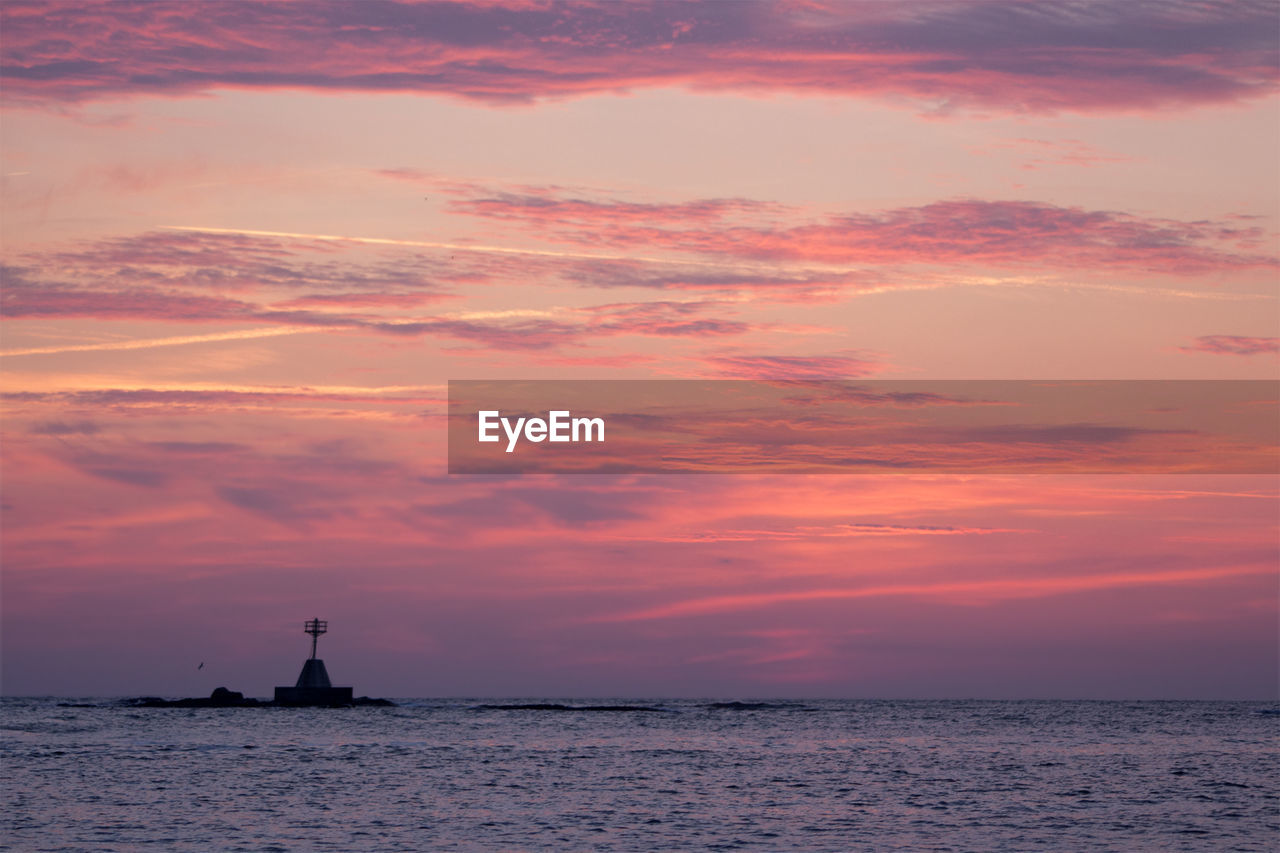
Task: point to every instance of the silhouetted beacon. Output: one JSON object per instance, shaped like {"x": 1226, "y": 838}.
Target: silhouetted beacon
{"x": 313, "y": 687}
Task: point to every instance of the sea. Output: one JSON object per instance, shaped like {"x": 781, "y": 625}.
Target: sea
{"x": 642, "y": 775}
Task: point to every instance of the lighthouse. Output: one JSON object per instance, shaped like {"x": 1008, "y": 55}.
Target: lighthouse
{"x": 313, "y": 686}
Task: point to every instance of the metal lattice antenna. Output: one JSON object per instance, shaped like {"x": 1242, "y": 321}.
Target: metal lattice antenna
{"x": 315, "y": 628}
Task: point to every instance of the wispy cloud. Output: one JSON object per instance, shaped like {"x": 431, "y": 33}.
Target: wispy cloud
{"x": 148, "y": 343}
{"x": 794, "y": 366}
{"x": 1038, "y": 154}
{"x": 452, "y": 247}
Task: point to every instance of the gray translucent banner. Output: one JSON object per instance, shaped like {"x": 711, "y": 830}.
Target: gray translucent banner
{"x": 862, "y": 427}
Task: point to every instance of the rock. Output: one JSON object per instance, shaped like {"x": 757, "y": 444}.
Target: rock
{"x": 220, "y": 698}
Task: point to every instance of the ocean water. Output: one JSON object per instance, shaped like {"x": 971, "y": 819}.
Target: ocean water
{"x": 690, "y": 775}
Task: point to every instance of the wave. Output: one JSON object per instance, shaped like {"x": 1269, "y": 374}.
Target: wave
{"x": 555, "y": 706}
{"x": 756, "y": 706}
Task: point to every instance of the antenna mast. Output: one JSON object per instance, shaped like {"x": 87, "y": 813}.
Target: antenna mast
{"x": 315, "y": 628}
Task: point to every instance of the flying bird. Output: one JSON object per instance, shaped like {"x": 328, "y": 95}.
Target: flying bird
{"x": 201, "y": 666}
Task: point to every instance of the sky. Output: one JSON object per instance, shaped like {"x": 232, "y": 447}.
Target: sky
{"x": 246, "y": 245}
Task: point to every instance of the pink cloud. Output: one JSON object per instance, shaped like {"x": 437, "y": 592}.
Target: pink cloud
{"x": 981, "y": 591}
{"x": 1017, "y": 234}
{"x": 202, "y": 399}
{"x": 359, "y": 300}
{"x": 793, "y": 366}
{"x": 797, "y": 285}
{"x": 245, "y": 263}
{"x": 663, "y": 319}
{"x": 1018, "y": 56}
{"x": 1233, "y": 345}
{"x": 161, "y": 276}
{"x": 543, "y": 202}
{"x": 25, "y": 296}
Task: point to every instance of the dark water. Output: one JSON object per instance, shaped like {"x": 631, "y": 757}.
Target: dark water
{"x": 466, "y": 775}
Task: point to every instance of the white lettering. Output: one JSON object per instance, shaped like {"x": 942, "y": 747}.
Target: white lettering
{"x": 486, "y": 424}
{"x": 513, "y": 435}
{"x": 587, "y": 424}
{"x": 559, "y": 427}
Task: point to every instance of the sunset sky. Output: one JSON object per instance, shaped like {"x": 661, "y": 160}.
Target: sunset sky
{"x": 245, "y": 246}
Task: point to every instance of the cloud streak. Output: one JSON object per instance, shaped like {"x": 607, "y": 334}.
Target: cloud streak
{"x": 793, "y": 366}
{"x": 453, "y": 247}
{"x": 235, "y": 278}
{"x": 148, "y": 343}
{"x": 1010, "y": 56}
{"x": 1010, "y": 234}
{"x": 984, "y": 590}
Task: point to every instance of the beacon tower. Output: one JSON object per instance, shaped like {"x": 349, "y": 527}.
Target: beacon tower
{"x": 313, "y": 686}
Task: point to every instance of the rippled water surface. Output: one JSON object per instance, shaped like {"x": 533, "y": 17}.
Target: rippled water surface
{"x": 653, "y": 775}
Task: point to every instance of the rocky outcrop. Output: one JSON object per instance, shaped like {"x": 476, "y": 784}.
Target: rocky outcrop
{"x": 223, "y": 698}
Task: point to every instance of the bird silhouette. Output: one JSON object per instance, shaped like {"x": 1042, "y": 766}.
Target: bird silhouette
{"x": 201, "y": 666}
